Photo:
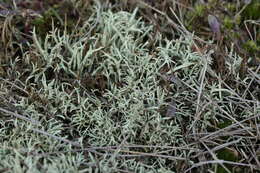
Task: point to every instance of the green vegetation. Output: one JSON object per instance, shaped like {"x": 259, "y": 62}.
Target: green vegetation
{"x": 97, "y": 86}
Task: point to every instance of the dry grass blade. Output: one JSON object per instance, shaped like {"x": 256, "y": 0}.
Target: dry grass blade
{"x": 220, "y": 162}
{"x": 215, "y": 157}
{"x": 133, "y": 154}
{"x": 16, "y": 86}
{"x": 20, "y": 116}
{"x": 215, "y": 149}
{"x": 233, "y": 126}
{"x": 40, "y": 131}
{"x": 75, "y": 144}
{"x": 88, "y": 71}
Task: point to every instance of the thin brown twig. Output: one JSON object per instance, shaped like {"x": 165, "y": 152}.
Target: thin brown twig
{"x": 37, "y": 130}
{"x": 214, "y": 156}
{"x": 20, "y": 116}
{"x": 16, "y": 86}
{"x": 218, "y": 162}
{"x": 76, "y": 144}
{"x": 218, "y": 147}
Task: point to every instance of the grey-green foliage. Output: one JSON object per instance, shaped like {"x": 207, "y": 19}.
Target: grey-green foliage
{"x": 118, "y": 52}
{"x": 129, "y": 105}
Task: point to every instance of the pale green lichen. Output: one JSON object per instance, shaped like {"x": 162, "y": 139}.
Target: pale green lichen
{"x": 123, "y": 111}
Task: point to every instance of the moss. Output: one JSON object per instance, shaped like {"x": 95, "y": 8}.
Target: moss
{"x": 251, "y": 46}
{"x": 252, "y": 10}
{"x": 227, "y": 155}
{"x": 231, "y": 7}
{"x": 200, "y": 10}
{"x": 56, "y": 14}
{"x": 238, "y": 19}
{"x": 43, "y": 24}
{"x": 228, "y": 23}
{"x": 193, "y": 16}
{"x": 224, "y": 124}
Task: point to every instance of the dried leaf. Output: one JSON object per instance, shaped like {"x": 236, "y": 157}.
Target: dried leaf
{"x": 5, "y": 13}
{"x": 214, "y": 24}
{"x": 247, "y": 1}
{"x": 171, "y": 110}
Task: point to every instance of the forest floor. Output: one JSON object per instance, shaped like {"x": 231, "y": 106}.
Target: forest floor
{"x": 130, "y": 86}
